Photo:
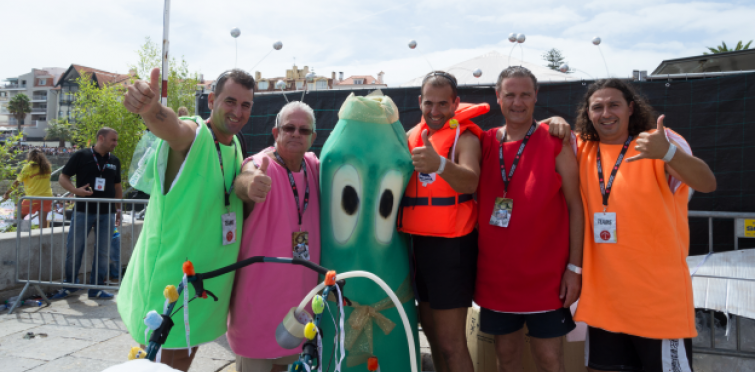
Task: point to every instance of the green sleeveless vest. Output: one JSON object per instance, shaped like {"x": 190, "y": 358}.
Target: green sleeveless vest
{"x": 185, "y": 224}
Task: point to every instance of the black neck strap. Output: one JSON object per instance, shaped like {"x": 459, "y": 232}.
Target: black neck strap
{"x": 226, "y": 192}
{"x": 299, "y": 210}
{"x": 107, "y": 160}
{"x": 605, "y": 189}
{"x": 507, "y": 180}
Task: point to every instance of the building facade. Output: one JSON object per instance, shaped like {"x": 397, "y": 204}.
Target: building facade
{"x": 39, "y": 86}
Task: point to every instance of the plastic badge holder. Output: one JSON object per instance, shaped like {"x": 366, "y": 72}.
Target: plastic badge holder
{"x": 141, "y": 172}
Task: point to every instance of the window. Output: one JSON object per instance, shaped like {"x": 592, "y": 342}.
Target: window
{"x": 299, "y": 84}
{"x": 322, "y": 84}
{"x": 310, "y": 86}
{"x": 358, "y": 81}
{"x": 42, "y": 81}
{"x": 263, "y": 85}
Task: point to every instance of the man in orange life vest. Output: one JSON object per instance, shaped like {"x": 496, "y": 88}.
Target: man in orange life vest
{"x": 439, "y": 211}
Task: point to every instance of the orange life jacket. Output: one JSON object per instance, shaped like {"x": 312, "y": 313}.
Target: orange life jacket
{"x": 435, "y": 209}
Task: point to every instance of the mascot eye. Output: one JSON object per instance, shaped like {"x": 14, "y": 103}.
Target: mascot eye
{"x": 389, "y": 193}
{"x": 345, "y": 197}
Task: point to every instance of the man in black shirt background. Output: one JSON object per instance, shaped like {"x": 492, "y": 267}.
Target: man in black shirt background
{"x": 98, "y": 175}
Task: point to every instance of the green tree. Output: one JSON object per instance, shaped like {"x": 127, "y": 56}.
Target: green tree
{"x": 9, "y": 164}
{"x": 95, "y": 108}
{"x": 60, "y": 130}
{"x": 554, "y": 58}
{"x": 18, "y": 106}
{"x": 723, "y": 48}
{"x": 182, "y": 84}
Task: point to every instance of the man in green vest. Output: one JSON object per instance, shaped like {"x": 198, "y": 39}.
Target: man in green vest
{"x": 193, "y": 213}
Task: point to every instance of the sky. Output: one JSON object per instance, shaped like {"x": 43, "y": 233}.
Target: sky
{"x": 366, "y": 37}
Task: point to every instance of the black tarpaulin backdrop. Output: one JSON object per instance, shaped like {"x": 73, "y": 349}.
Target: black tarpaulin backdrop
{"x": 715, "y": 115}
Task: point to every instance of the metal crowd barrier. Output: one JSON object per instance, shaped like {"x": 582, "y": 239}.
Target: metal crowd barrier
{"x": 712, "y": 349}
{"x": 43, "y": 251}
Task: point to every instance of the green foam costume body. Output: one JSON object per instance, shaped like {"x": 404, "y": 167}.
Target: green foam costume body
{"x": 364, "y": 168}
{"x": 185, "y": 224}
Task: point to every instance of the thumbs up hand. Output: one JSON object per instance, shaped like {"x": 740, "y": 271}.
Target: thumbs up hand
{"x": 261, "y": 182}
{"x": 141, "y": 97}
{"x": 652, "y": 145}
{"x": 424, "y": 158}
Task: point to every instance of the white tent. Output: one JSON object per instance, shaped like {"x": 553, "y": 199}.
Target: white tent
{"x": 492, "y": 64}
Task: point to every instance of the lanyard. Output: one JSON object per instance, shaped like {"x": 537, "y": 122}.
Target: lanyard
{"x": 605, "y": 189}
{"x": 226, "y": 193}
{"x": 293, "y": 186}
{"x": 507, "y": 180}
{"x": 101, "y": 169}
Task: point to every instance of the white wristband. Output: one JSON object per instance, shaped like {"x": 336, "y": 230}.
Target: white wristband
{"x": 574, "y": 268}
{"x": 442, "y": 165}
{"x": 670, "y": 153}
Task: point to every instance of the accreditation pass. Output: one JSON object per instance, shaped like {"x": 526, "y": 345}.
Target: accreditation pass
{"x": 229, "y": 228}
{"x": 604, "y": 227}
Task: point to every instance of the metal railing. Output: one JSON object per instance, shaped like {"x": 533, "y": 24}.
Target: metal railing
{"x": 38, "y": 98}
{"x": 52, "y": 257}
{"x": 712, "y": 349}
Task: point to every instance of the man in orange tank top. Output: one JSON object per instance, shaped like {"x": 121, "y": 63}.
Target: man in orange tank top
{"x": 635, "y": 184}
{"x": 439, "y": 211}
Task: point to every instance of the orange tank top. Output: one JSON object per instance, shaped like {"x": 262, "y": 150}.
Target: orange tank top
{"x": 641, "y": 285}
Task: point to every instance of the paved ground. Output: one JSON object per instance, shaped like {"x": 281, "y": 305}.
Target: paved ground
{"x": 84, "y": 336}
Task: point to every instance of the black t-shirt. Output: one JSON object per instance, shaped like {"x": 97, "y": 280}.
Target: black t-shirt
{"x": 83, "y": 165}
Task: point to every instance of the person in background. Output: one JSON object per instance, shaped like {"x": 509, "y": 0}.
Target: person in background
{"x": 35, "y": 176}
{"x": 98, "y": 175}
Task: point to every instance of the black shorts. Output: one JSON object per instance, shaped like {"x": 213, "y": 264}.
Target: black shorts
{"x": 445, "y": 270}
{"x": 608, "y": 351}
{"x": 549, "y": 324}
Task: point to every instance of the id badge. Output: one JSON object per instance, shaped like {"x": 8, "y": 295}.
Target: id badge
{"x": 300, "y": 245}
{"x": 229, "y": 228}
{"x": 604, "y": 227}
{"x": 502, "y": 212}
{"x": 426, "y": 178}
{"x": 99, "y": 184}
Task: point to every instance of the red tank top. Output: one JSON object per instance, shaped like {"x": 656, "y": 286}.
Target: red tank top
{"x": 519, "y": 267}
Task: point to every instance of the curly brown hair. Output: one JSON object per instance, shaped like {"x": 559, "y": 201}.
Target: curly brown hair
{"x": 643, "y": 115}
{"x": 37, "y": 156}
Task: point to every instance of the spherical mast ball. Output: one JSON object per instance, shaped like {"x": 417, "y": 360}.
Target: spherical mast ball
{"x": 412, "y": 44}
{"x": 477, "y": 73}
{"x": 310, "y": 77}
{"x": 520, "y": 38}
{"x": 564, "y": 67}
{"x": 512, "y": 37}
{"x": 596, "y": 40}
{"x": 235, "y": 32}
{"x": 280, "y": 84}
{"x": 278, "y": 45}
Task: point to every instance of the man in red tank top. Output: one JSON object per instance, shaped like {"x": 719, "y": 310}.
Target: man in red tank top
{"x": 530, "y": 230}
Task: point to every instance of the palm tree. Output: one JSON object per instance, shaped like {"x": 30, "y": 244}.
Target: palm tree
{"x": 723, "y": 48}
{"x": 19, "y": 106}
{"x": 60, "y": 130}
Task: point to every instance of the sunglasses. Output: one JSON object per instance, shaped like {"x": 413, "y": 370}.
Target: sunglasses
{"x": 291, "y": 129}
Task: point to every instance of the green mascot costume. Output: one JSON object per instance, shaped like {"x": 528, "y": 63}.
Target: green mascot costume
{"x": 365, "y": 166}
